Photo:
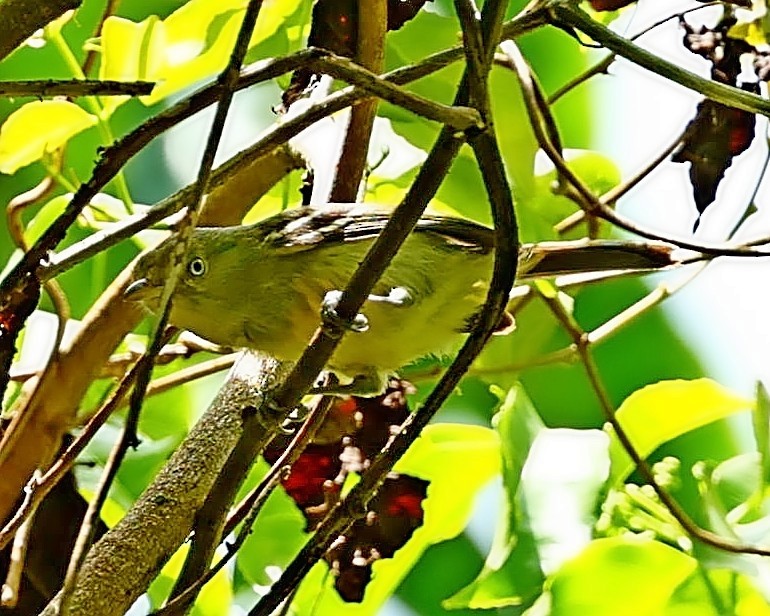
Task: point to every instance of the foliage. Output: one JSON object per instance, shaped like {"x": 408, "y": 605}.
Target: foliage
{"x": 558, "y": 417}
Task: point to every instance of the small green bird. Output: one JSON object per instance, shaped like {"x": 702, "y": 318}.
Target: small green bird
{"x": 263, "y": 286}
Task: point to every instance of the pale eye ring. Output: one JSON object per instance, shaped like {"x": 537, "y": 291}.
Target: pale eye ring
{"x": 197, "y": 267}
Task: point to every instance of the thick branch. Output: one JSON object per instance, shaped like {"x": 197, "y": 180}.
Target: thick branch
{"x": 123, "y": 563}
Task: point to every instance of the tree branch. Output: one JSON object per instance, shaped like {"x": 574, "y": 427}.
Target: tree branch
{"x": 399, "y": 226}
{"x": 370, "y": 52}
{"x": 121, "y": 565}
{"x": 568, "y": 15}
{"x": 75, "y": 87}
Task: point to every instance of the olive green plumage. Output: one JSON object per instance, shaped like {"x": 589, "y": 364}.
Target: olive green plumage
{"x": 262, "y": 286}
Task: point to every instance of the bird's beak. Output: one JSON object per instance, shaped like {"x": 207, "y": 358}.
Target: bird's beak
{"x": 139, "y": 290}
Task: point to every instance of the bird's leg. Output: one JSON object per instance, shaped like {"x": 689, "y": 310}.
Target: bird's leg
{"x": 297, "y": 415}
{"x": 329, "y": 315}
{"x": 398, "y": 296}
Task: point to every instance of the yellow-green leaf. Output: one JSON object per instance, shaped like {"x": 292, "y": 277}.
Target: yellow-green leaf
{"x": 38, "y": 128}
{"x": 658, "y": 413}
{"x": 195, "y": 41}
{"x": 216, "y": 596}
{"x": 621, "y": 575}
{"x": 271, "y": 17}
{"x": 130, "y": 52}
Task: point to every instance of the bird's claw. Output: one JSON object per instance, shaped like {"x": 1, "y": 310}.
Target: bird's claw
{"x": 399, "y": 297}
{"x": 358, "y": 324}
{"x": 297, "y": 415}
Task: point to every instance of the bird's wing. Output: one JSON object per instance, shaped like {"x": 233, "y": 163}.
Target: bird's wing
{"x": 307, "y": 227}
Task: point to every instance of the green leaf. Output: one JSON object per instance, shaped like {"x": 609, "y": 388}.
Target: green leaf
{"x": 716, "y": 592}
{"x": 597, "y": 171}
{"x": 38, "y": 128}
{"x": 43, "y": 219}
{"x": 552, "y": 481}
{"x": 469, "y": 457}
{"x": 621, "y": 575}
{"x": 191, "y": 44}
{"x": 199, "y": 40}
{"x": 511, "y": 575}
{"x": 761, "y": 424}
{"x": 131, "y": 52}
{"x": 658, "y": 413}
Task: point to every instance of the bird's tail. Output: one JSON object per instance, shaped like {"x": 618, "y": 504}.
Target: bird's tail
{"x": 588, "y": 256}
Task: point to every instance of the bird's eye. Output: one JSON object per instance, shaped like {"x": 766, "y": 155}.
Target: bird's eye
{"x": 196, "y": 267}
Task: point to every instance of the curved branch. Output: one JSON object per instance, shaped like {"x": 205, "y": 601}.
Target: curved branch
{"x": 568, "y": 15}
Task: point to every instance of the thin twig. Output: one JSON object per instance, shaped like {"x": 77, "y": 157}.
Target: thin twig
{"x": 603, "y": 65}
{"x": 457, "y": 116}
{"x": 74, "y": 88}
{"x": 191, "y": 373}
{"x": 582, "y": 343}
{"x": 600, "y": 68}
{"x": 14, "y": 210}
{"x": 583, "y": 196}
{"x": 614, "y": 194}
{"x": 88, "y": 527}
{"x": 9, "y": 595}
{"x": 568, "y": 15}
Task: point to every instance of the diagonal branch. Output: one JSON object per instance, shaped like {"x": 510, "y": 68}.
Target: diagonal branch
{"x": 568, "y": 15}
{"x": 354, "y": 506}
{"x": 123, "y": 563}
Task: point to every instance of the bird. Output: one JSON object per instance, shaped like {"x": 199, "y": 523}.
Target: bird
{"x": 266, "y": 286}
